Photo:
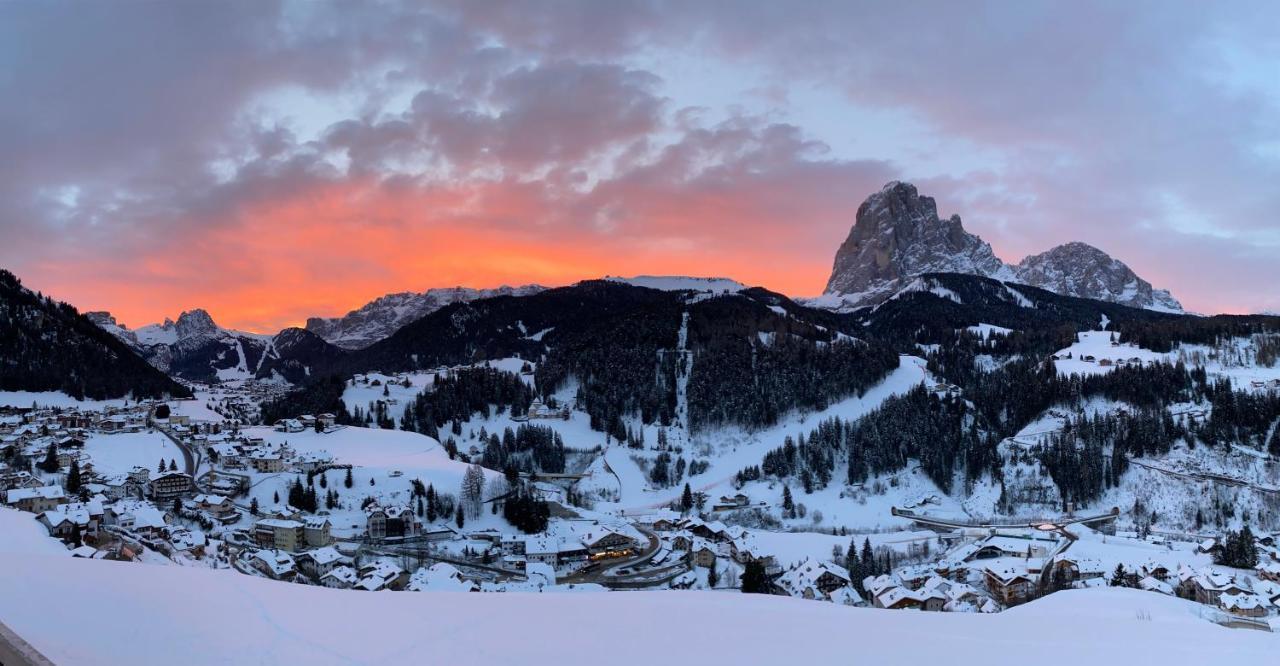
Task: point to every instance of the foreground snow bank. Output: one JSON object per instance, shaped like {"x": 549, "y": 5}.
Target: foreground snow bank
{"x": 241, "y": 619}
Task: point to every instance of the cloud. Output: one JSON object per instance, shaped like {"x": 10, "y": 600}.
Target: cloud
{"x": 271, "y": 161}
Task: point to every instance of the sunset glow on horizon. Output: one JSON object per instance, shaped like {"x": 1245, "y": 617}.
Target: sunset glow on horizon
{"x": 270, "y": 162}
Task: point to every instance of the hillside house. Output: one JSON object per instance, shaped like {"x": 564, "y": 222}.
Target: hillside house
{"x": 340, "y": 577}
{"x": 318, "y": 563}
{"x": 813, "y": 579}
{"x": 1244, "y": 605}
{"x": 276, "y": 564}
{"x": 220, "y": 508}
{"x": 381, "y": 575}
{"x": 1010, "y": 583}
{"x": 36, "y": 500}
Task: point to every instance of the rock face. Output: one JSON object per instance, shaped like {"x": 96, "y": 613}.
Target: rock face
{"x": 1078, "y": 269}
{"x": 898, "y": 235}
{"x": 385, "y": 315}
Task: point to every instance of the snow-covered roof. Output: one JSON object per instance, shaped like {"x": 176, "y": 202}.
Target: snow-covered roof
{"x": 42, "y": 492}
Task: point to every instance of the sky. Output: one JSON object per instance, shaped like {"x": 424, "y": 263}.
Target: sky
{"x": 270, "y": 161}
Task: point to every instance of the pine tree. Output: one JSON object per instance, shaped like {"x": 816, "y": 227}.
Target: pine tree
{"x": 1119, "y": 577}
{"x": 712, "y": 576}
{"x": 173, "y": 465}
{"x": 686, "y": 499}
{"x": 459, "y": 518}
{"x": 160, "y": 468}
{"x": 276, "y": 497}
{"x": 348, "y": 482}
{"x": 73, "y": 477}
{"x": 788, "y": 505}
{"x": 754, "y": 578}
{"x": 324, "y": 480}
{"x": 50, "y": 462}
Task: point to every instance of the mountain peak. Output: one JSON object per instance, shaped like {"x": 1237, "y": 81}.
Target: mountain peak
{"x": 195, "y": 323}
{"x": 1080, "y": 269}
{"x": 897, "y": 234}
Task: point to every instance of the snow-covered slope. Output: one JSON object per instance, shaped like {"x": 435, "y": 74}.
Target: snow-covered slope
{"x": 245, "y": 619}
{"x": 385, "y": 315}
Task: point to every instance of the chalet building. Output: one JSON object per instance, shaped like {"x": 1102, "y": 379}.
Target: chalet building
{"x": 36, "y": 500}
{"x": 391, "y": 522}
{"x": 341, "y": 577}
{"x": 608, "y": 543}
{"x": 218, "y": 507}
{"x": 65, "y": 520}
{"x": 275, "y": 564}
{"x": 140, "y": 476}
{"x": 1010, "y": 585}
{"x": 813, "y": 579}
{"x": 1244, "y": 605}
{"x": 1210, "y": 587}
{"x": 169, "y": 486}
{"x": 381, "y": 575}
{"x": 318, "y": 563}
{"x": 136, "y": 516}
{"x": 539, "y": 410}
{"x": 704, "y": 555}
{"x": 288, "y": 425}
{"x": 664, "y": 525}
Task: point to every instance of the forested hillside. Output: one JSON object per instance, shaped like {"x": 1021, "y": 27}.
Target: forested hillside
{"x": 49, "y": 346}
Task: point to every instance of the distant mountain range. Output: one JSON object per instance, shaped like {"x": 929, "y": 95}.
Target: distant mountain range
{"x": 385, "y": 315}
{"x": 897, "y": 235}
{"x": 194, "y": 347}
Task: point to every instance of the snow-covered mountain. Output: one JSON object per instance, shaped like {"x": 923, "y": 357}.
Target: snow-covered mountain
{"x": 1079, "y": 269}
{"x": 194, "y": 347}
{"x": 385, "y": 315}
{"x": 897, "y": 235}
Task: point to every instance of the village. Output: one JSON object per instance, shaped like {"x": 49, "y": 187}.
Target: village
{"x": 207, "y": 505}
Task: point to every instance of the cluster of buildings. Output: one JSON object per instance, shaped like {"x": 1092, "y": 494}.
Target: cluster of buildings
{"x": 566, "y": 550}
{"x": 306, "y": 422}
{"x": 28, "y": 437}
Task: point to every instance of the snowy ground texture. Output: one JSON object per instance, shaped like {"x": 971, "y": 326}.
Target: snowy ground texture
{"x": 240, "y": 619}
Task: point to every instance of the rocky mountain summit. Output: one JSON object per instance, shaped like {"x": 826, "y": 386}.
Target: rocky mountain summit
{"x": 898, "y": 235}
